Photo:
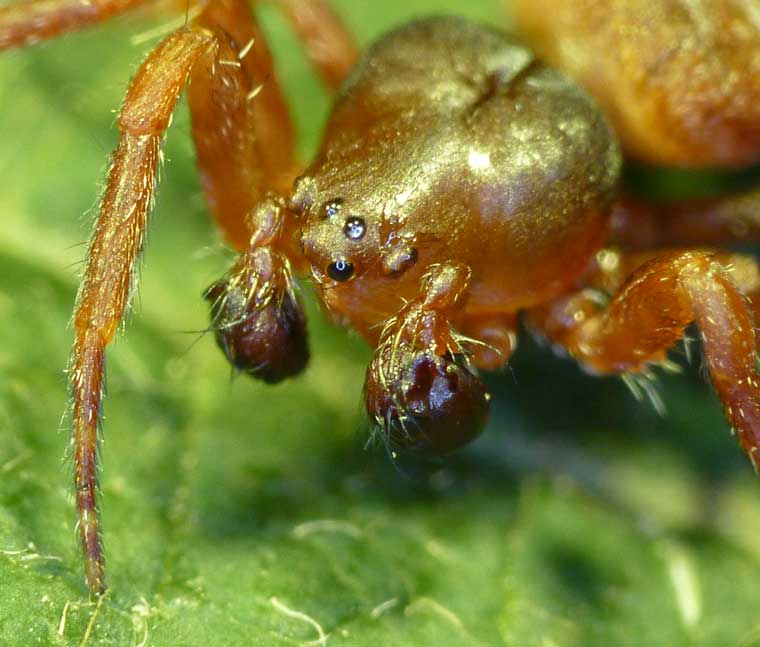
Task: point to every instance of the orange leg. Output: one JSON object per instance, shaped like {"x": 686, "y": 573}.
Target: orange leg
{"x": 252, "y": 152}
{"x": 245, "y": 165}
{"x": 612, "y": 267}
{"x": 115, "y": 245}
{"x": 714, "y": 222}
{"x": 26, "y": 23}
{"x": 241, "y": 126}
{"x": 649, "y": 314}
{"x": 495, "y": 339}
{"x": 202, "y": 49}
{"x": 328, "y": 43}
{"x": 244, "y": 138}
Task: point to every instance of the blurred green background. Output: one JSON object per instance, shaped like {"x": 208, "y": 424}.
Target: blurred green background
{"x": 581, "y": 517}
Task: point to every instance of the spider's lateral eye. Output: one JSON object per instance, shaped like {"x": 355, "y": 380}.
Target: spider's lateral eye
{"x": 332, "y": 208}
{"x": 355, "y": 228}
{"x": 340, "y": 270}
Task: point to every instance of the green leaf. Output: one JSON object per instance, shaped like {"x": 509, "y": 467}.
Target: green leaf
{"x": 241, "y": 514}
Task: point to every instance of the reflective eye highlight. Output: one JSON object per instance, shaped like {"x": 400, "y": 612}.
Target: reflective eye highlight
{"x": 332, "y": 208}
{"x": 340, "y": 270}
{"x": 355, "y": 228}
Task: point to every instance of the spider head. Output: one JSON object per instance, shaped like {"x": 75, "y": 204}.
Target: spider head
{"x": 345, "y": 234}
{"x": 365, "y": 265}
{"x": 339, "y": 241}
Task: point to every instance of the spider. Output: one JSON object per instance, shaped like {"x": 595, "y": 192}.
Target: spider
{"x": 462, "y": 182}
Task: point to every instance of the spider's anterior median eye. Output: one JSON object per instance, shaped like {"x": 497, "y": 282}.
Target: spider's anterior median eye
{"x": 355, "y": 228}
{"x": 340, "y": 270}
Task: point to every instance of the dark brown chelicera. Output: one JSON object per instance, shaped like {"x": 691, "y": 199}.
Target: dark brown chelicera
{"x": 461, "y": 181}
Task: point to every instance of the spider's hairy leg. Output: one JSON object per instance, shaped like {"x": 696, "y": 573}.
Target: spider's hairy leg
{"x": 241, "y": 126}
{"x": 420, "y": 389}
{"x": 649, "y": 314}
{"x": 328, "y": 43}
{"x": 27, "y": 23}
{"x": 114, "y": 247}
{"x": 714, "y": 221}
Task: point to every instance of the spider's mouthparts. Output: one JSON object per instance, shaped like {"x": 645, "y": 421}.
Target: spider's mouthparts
{"x": 425, "y": 403}
{"x": 258, "y": 322}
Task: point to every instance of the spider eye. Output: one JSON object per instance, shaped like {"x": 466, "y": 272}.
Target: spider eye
{"x": 355, "y": 228}
{"x": 332, "y": 208}
{"x": 340, "y": 270}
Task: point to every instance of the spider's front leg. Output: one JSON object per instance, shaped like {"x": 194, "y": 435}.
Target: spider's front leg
{"x": 113, "y": 251}
{"x": 649, "y": 314}
{"x": 420, "y": 389}
{"x": 212, "y": 51}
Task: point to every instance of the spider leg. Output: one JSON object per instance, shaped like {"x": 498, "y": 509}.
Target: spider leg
{"x": 611, "y": 268}
{"x": 26, "y": 23}
{"x": 115, "y": 245}
{"x": 650, "y": 312}
{"x": 244, "y": 139}
{"x": 714, "y": 222}
{"x": 241, "y": 126}
{"x": 493, "y": 339}
{"x": 328, "y": 43}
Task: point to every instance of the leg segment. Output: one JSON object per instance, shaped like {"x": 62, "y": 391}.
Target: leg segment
{"x": 612, "y": 267}
{"x": 114, "y": 248}
{"x": 26, "y": 23}
{"x": 328, "y": 43}
{"x": 495, "y": 339}
{"x": 242, "y": 154}
{"x": 244, "y": 140}
{"x": 649, "y": 314}
{"x": 241, "y": 126}
{"x": 714, "y": 222}
{"x": 419, "y": 389}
